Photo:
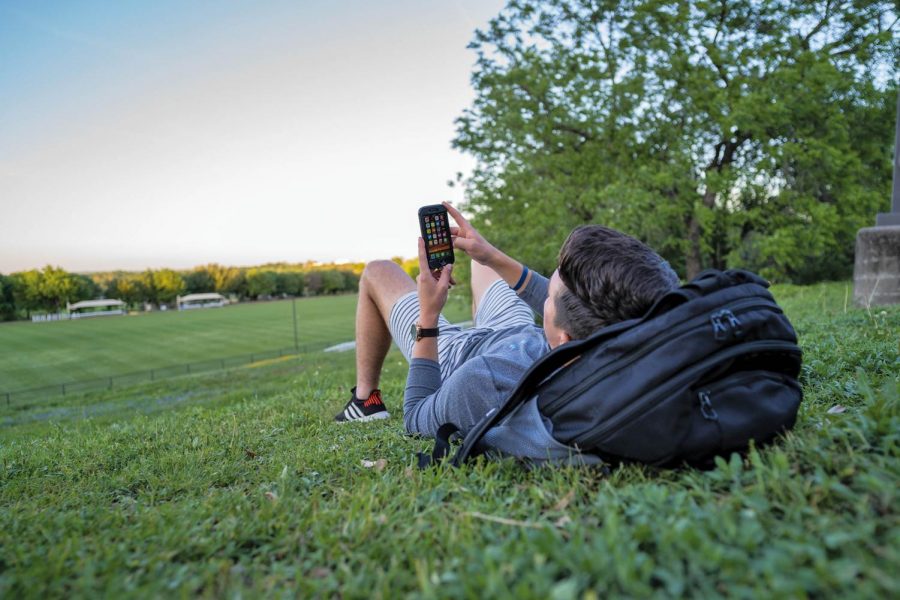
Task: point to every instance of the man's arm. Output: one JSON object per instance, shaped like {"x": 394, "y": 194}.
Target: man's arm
{"x": 432, "y": 298}
{"x": 535, "y": 292}
{"x": 532, "y": 289}
{"x": 424, "y": 377}
{"x": 462, "y": 400}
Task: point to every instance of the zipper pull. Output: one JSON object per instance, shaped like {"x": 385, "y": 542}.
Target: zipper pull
{"x": 719, "y": 330}
{"x": 734, "y": 322}
{"x": 706, "y": 407}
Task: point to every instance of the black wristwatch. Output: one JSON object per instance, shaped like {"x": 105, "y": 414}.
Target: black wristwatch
{"x": 420, "y": 332}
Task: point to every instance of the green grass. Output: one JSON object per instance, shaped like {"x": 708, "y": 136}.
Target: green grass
{"x": 42, "y": 354}
{"x": 237, "y": 484}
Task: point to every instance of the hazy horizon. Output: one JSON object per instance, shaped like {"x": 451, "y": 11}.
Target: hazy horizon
{"x": 172, "y": 136}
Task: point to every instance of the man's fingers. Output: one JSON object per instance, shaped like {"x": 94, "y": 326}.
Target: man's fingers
{"x": 464, "y": 244}
{"x": 437, "y": 276}
{"x": 454, "y": 230}
{"x": 457, "y": 216}
{"x": 444, "y": 281}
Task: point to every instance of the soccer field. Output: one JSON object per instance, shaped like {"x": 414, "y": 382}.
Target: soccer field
{"x": 41, "y": 354}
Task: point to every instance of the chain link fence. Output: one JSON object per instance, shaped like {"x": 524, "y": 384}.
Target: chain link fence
{"x": 128, "y": 379}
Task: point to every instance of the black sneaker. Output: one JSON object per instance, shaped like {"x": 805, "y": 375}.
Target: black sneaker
{"x": 370, "y": 409}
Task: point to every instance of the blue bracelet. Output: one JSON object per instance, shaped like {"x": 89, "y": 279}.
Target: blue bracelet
{"x": 521, "y": 279}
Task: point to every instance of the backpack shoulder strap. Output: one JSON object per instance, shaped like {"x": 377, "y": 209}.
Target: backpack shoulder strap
{"x": 441, "y": 446}
{"x": 530, "y": 381}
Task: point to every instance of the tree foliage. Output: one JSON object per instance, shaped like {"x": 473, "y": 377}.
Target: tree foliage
{"x": 261, "y": 283}
{"x": 168, "y": 285}
{"x": 290, "y": 283}
{"x": 332, "y": 281}
{"x": 726, "y": 133}
{"x": 199, "y": 281}
{"x": 7, "y": 300}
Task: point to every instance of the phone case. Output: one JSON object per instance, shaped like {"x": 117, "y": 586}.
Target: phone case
{"x": 434, "y": 223}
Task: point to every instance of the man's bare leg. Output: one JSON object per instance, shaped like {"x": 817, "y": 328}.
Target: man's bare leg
{"x": 482, "y": 278}
{"x": 381, "y": 284}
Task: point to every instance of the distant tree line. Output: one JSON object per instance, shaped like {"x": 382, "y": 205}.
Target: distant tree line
{"x": 50, "y": 288}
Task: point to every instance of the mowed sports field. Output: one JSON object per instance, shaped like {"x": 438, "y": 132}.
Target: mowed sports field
{"x": 41, "y": 354}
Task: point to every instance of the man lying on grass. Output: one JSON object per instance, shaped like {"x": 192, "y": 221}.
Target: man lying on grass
{"x": 604, "y": 277}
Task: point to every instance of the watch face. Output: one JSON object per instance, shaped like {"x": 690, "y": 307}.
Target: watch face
{"x": 414, "y": 331}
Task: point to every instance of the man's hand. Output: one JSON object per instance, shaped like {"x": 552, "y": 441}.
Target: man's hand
{"x": 432, "y": 291}
{"x": 466, "y": 238}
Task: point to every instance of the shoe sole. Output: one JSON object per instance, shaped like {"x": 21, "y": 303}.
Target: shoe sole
{"x": 376, "y": 417}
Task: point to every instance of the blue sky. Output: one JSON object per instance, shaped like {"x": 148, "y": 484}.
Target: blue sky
{"x": 150, "y": 134}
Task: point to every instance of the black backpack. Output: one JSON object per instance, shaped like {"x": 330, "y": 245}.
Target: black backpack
{"x": 710, "y": 367}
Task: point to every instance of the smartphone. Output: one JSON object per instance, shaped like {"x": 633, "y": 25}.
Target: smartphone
{"x": 435, "y": 226}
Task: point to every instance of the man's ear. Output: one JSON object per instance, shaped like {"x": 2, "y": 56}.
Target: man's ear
{"x": 564, "y": 337}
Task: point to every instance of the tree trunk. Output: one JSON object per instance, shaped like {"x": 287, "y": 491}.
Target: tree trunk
{"x": 693, "y": 260}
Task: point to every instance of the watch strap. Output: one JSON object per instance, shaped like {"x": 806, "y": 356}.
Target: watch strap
{"x": 424, "y": 332}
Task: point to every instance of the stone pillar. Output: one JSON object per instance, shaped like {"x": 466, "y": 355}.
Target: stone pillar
{"x": 876, "y": 273}
{"x": 893, "y": 218}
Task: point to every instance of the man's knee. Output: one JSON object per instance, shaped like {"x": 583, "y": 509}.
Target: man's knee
{"x": 385, "y": 281}
{"x": 381, "y": 271}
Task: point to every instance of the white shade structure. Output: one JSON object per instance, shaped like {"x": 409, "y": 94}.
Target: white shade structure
{"x": 95, "y": 308}
{"x": 204, "y": 300}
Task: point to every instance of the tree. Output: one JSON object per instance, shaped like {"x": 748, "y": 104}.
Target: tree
{"x": 85, "y": 288}
{"x": 314, "y": 283}
{"x": 27, "y": 291}
{"x": 350, "y": 281}
{"x": 147, "y": 286}
{"x": 199, "y": 281}
{"x": 167, "y": 285}
{"x": 723, "y": 133}
{"x": 229, "y": 280}
{"x": 7, "y": 300}
{"x": 56, "y": 287}
{"x": 127, "y": 288}
{"x": 290, "y": 283}
{"x": 332, "y": 281}
{"x": 261, "y": 283}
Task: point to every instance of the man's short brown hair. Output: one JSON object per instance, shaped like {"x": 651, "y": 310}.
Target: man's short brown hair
{"x": 608, "y": 277}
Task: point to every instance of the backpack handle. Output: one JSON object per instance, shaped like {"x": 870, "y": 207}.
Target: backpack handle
{"x": 705, "y": 283}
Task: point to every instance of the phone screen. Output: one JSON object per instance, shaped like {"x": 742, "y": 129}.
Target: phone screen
{"x": 436, "y": 233}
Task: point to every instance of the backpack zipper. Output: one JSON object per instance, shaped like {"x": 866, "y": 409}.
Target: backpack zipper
{"x": 708, "y": 392}
{"x": 737, "y": 306}
{"x": 588, "y": 439}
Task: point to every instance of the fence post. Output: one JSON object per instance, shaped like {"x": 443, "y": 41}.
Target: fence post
{"x": 152, "y": 375}
{"x": 7, "y": 398}
{"x": 63, "y": 386}
{"x": 294, "y": 312}
{"x": 188, "y": 367}
{"x": 110, "y": 383}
